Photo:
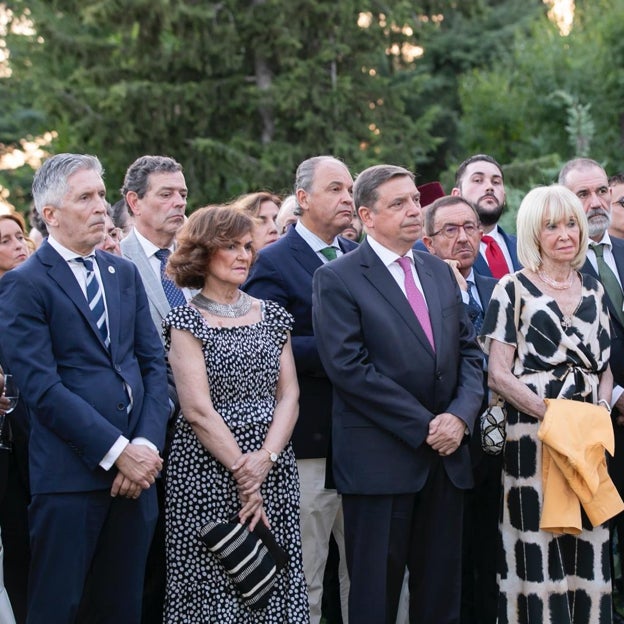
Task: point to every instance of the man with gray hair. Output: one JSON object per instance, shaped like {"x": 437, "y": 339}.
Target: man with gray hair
{"x": 155, "y": 192}
{"x": 605, "y": 261}
{"x": 283, "y": 273}
{"x": 92, "y": 374}
{"x": 396, "y": 343}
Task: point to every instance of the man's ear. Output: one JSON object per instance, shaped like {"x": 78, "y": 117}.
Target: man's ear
{"x": 456, "y": 192}
{"x": 302, "y": 198}
{"x": 48, "y": 214}
{"x": 366, "y": 217}
{"x": 132, "y": 200}
{"x": 428, "y": 242}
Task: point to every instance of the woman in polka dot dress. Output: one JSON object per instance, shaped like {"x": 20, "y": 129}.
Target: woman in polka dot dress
{"x": 235, "y": 376}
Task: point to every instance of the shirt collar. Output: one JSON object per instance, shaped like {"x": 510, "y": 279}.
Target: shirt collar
{"x": 312, "y": 239}
{"x": 148, "y": 247}
{"x": 65, "y": 253}
{"x": 387, "y": 256}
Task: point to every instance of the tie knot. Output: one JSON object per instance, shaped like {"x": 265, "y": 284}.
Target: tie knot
{"x": 87, "y": 261}
{"x": 488, "y": 240}
{"x": 163, "y": 255}
{"x": 599, "y": 250}
{"x": 329, "y": 252}
{"x": 405, "y": 264}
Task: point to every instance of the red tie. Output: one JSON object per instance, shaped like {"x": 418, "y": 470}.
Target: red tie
{"x": 416, "y": 299}
{"x": 495, "y": 257}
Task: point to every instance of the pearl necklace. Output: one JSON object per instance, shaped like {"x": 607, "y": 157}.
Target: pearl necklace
{"x": 554, "y": 283}
{"x": 226, "y": 310}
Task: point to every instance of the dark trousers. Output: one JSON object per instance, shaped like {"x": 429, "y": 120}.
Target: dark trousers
{"x": 88, "y": 543}
{"x": 14, "y": 500}
{"x": 481, "y": 543}
{"x": 386, "y": 533}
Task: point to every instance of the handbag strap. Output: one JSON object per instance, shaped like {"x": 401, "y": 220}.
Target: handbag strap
{"x": 495, "y": 399}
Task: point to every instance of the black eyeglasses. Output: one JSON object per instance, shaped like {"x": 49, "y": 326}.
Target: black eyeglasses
{"x": 451, "y": 230}
{"x": 619, "y": 201}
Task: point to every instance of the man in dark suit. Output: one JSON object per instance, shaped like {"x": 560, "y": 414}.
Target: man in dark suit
{"x": 92, "y": 372}
{"x": 155, "y": 191}
{"x": 400, "y": 351}
{"x": 605, "y": 261}
{"x": 283, "y": 272}
{"x": 452, "y": 233}
{"x": 479, "y": 179}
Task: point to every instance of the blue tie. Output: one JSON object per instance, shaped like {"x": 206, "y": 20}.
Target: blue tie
{"x": 475, "y": 311}
{"x": 174, "y": 295}
{"x": 95, "y": 298}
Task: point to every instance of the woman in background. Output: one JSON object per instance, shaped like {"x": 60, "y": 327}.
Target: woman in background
{"x": 264, "y": 207}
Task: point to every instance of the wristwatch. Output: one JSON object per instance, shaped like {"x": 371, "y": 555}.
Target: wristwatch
{"x": 272, "y": 455}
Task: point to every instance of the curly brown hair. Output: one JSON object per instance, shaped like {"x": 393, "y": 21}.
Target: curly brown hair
{"x": 207, "y": 230}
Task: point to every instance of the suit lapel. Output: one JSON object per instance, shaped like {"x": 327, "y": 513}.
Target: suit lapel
{"x": 60, "y": 272}
{"x": 302, "y": 252}
{"x": 481, "y": 266}
{"x": 379, "y": 276}
{"x": 131, "y": 249}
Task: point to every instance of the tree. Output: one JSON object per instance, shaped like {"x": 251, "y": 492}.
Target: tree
{"x": 238, "y": 91}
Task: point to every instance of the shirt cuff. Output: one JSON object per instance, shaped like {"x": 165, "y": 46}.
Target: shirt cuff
{"x": 616, "y": 393}
{"x": 145, "y": 442}
{"x": 114, "y": 452}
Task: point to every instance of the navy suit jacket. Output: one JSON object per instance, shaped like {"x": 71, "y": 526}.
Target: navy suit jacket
{"x": 73, "y": 385}
{"x": 480, "y": 265}
{"x": 283, "y": 273}
{"x": 616, "y": 360}
{"x": 388, "y": 382}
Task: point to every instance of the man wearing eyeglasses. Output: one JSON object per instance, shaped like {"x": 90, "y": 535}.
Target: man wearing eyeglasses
{"x": 588, "y": 180}
{"x": 453, "y": 234}
{"x": 479, "y": 180}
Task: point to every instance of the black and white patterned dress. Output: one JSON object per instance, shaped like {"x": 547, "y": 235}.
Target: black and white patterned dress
{"x": 543, "y": 578}
{"x": 242, "y": 364}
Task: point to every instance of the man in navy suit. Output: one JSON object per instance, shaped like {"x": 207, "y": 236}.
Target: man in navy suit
{"x": 400, "y": 351}
{"x": 588, "y": 180}
{"x": 452, "y": 233}
{"x": 479, "y": 179}
{"x": 77, "y": 336}
{"x": 283, "y": 272}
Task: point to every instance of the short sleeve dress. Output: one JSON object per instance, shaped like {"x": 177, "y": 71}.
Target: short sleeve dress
{"x": 542, "y": 577}
{"x": 242, "y": 364}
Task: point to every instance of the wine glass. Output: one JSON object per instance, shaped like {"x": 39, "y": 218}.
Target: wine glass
{"x": 11, "y": 393}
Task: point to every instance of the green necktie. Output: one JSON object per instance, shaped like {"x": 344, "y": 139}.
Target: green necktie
{"x": 329, "y": 252}
{"x": 609, "y": 281}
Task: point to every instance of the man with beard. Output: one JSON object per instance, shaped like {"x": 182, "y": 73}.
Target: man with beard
{"x": 605, "y": 261}
{"x": 479, "y": 179}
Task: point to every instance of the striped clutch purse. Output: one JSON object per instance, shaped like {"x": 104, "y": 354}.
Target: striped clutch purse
{"x": 252, "y": 559}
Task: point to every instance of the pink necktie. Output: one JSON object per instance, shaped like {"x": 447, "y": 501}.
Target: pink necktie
{"x": 495, "y": 257}
{"x": 416, "y": 299}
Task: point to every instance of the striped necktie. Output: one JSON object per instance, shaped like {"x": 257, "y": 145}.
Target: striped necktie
{"x": 95, "y": 298}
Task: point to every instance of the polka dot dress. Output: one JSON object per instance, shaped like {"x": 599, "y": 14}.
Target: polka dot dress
{"x": 242, "y": 364}
{"x": 543, "y": 578}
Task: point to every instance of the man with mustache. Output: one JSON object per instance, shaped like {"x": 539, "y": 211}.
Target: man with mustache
{"x": 91, "y": 370}
{"x": 452, "y": 234}
{"x": 479, "y": 179}
{"x": 605, "y": 261}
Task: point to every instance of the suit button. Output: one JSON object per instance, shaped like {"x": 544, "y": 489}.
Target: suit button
{"x": 121, "y": 406}
{"x": 438, "y": 375}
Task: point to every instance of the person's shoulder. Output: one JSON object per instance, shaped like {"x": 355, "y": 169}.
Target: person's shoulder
{"x": 617, "y": 244}
{"x": 429, "y": 260}
{"x": 276, "y": 314}
{"x": 511, "y": 237}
